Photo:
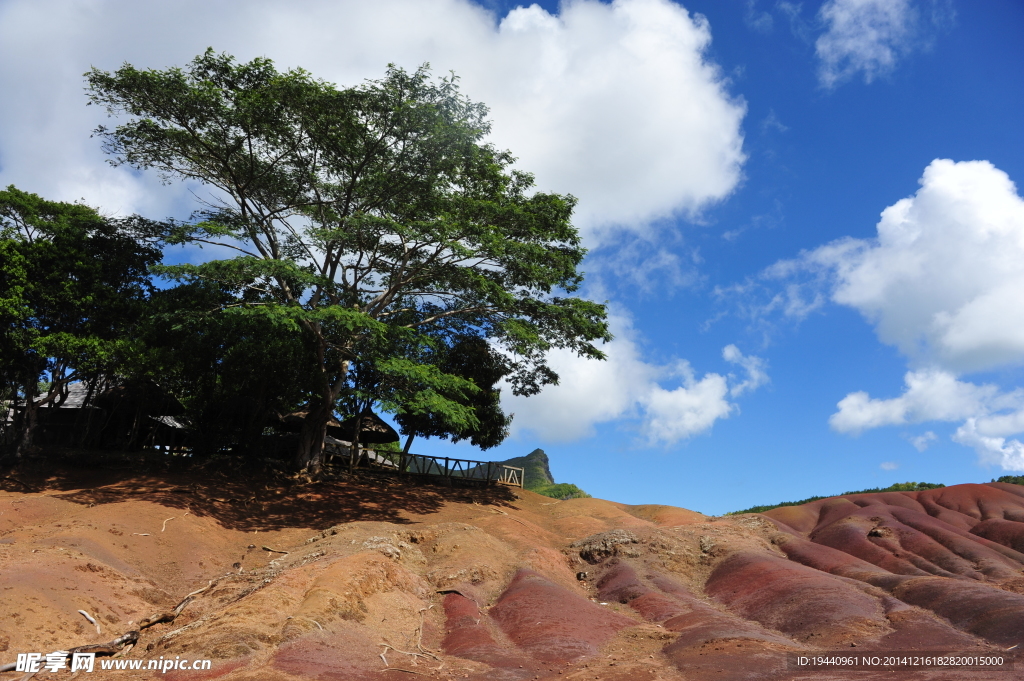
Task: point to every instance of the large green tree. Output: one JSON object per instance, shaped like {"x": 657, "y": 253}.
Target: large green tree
{"x": 72, "y": 287}
{"x": 375, "y": 217}
{"x": 234, "y": 370}
{"x": 472, "y": 358}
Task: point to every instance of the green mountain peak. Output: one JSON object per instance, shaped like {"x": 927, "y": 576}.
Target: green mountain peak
{"x": 537, "y": 477}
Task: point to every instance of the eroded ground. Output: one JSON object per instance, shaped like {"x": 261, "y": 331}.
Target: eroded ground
{"x": 379, "y": 579}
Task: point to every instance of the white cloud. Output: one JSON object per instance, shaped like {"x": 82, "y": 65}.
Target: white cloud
{"x": 888, "y": 465}
{"x": 989, "y": 415}
{"x": 923, "y": 441}
{"x": 690, "y": 409}
{"x": 648, "y": 266}
{"x": 944, "y": 279}
{"x": 754, "y": 366}
{"x": 625, "y": 386}
{"x": 1009, "y": 454}
{"x": 863, "y": 36}
{"x": 870, "y": 36}
{"x": 931, "y": 395}
{"x": 944, "y": 283}
{"x": 758, "y": 20}
{"x": 1002, "y": 424}
{"x": 615, "y": 103}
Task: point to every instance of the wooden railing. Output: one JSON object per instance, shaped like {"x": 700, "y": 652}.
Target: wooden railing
{"x": 447, "y": 467}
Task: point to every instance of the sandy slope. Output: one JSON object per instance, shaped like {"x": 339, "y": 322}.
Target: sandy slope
{"x": 382, "y": 579}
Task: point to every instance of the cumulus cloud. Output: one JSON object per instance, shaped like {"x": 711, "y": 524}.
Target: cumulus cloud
{"x": 931, "y": 395}
{"x": 944, "y": 279}
{"x": 1009, "y": 454}
{"x": 888, "y": 465}
{"x": 626, "y": 386}
{"x": 943, "y": 282}
{"x": 989, "y": 414}
{"x": 615, "y": 103}
{"x": 690, "y": 409}
{"x": 923, "y": 441}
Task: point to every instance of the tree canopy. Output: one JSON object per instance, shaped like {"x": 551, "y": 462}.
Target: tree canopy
{"x": 375, "y": 219}
{"x": 72, "y": 284}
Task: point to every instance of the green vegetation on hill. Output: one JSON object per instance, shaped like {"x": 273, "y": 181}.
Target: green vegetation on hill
{"x": 898, "y": 487}
{"x": 1012, "y": 479}
{"x": 560, "y": 490}
{"x": 537, "y": 477}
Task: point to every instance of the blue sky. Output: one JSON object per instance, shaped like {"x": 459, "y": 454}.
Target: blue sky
{"x": 777, "y": 336}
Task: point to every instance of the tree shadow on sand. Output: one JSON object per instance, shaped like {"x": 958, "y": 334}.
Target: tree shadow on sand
{"x": 255, "y": 500}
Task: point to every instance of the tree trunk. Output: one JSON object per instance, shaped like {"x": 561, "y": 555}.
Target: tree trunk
{"x": 353, "y": 450}
{"x": 310, "y": 456}
{"x": 28, "y": 427}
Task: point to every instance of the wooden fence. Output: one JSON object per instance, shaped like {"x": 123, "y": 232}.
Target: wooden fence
{"x": 447, "y": 467}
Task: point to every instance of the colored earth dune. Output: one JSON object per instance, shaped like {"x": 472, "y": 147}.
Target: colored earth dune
{"x": 376, "y": 579}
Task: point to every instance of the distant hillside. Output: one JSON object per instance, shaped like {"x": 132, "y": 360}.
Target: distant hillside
{"x": 537, "y": 477}
{"x": 898, "y": 487}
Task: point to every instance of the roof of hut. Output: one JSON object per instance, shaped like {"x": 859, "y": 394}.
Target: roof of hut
{"x": 77, "y": 394}
{"x": 293, "y": 423}
{"x": 372, "y": 429}
{"x": 145, "y": 395}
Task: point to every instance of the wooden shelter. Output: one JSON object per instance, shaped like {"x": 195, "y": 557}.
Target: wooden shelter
{"x": 112, "y": 415}
{"x": 292, "y": 423}
{"x": 373, "y": 430}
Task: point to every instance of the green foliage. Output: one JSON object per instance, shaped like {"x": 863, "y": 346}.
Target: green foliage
{"x": 561, "y": 490}
{"x": 537, "y": 477}
{"x": 897, "y": 487}
{"x": 234, "y": 370}
{"x": 72, "y": 287}
{"x": 471, "y": 359}
{"x": 374, "y": 218}
{"x": 901, "y": 487}
{"x": 1012, "y": 479}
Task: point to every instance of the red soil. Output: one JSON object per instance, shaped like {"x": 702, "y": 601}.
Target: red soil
{"x": 375, "y": 579}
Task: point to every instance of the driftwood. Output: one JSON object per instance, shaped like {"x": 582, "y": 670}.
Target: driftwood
{"x": 91, "y": 620}
{"x": 131, "y": 638}
{"x": 423, "y": 652}
{"x": 267, "y": 548}
{"x": 109, "y": 648}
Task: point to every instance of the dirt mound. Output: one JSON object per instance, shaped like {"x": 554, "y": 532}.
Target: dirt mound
{"x": 379, "y": 578}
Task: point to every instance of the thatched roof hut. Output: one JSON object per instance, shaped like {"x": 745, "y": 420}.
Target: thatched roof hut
{"x": 110, "y": 414}
{"x": 145, "y": 396}
{"x": 373, "y": 430}
{"x": 292, "y": 423}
